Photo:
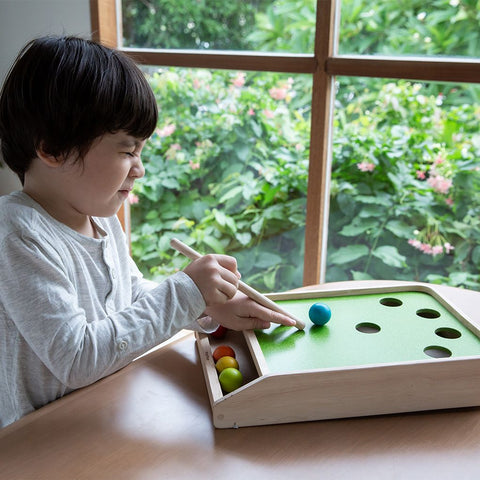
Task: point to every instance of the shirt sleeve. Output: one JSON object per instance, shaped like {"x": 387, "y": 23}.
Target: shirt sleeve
{"x": 42, "y": 301}
{"x": 141, "y": 286}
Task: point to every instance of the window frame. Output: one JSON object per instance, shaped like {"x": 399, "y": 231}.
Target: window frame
{"x": 324, "y": 65}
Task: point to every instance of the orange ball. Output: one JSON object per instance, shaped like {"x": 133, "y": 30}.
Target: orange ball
{"x": 223, "y": 351}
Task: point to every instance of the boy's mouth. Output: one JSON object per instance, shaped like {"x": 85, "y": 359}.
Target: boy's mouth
{"x": 125, "y": 192}
{"x": 126, "y": 189}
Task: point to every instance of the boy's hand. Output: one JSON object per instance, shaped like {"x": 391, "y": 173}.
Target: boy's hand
{"x": 243, "y": 313}
{"x": 216, "y": 276}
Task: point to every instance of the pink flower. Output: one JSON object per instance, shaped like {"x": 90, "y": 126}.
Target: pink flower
{"x": 440, "y": 184}
{"x": 251, "y": 111}
{"x": 420, "y": 175}
{"x": 431, "y": 249}
{"x": 167, "y": 130}
{"x": 278, "y": 93}
{"x": 365, "y": 166}
{"x": 415, "y": 243}
{"x": 448, "y": 247}
{"x": 426, "y": 248}
{"x": 172, "y": 151}
{"x": 196, "y": 83}
{"x": 268, "y": 113}
{"x": 239, "y": 80}
{"x": 194, "y": 165}
{"x": 132, "y": 198}
{"x": 449, "y": 201}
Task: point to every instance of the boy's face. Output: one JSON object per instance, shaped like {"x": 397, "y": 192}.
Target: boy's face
{"x": 109, "y": 170}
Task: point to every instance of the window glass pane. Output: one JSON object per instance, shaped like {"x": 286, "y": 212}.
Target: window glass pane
{"x": 414, "y": 27}
{"x": 226, "y": 171}
{"x": 405, "y": 190}
{"x": 281, "y": 25}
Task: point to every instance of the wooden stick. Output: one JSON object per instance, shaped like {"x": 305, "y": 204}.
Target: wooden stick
{"x": 243, "y": 287}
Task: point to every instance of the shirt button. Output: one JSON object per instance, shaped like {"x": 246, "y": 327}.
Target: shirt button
{"x": 122, "y": 345}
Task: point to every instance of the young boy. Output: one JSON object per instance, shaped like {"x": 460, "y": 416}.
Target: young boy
{"x": 74, "y": 117}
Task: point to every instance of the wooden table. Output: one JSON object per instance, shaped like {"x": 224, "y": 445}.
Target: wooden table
{"x": 152, "y": 420}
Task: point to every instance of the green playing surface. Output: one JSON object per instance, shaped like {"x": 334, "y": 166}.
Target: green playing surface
{"x": 367, "y": 329}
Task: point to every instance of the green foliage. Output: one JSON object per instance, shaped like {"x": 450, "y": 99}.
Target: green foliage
{"x": 227, "y": 168}
{"x": 193, "y": 24}
{"x": 415, "y": 27}
{"x": 405, "y": 189}
{"x": 285, "y": 25}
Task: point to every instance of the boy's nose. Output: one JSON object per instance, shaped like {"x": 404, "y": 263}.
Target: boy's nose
{"x": 137, "y": 170}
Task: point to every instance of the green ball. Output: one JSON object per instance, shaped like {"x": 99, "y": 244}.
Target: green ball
{"x": 230, "y": 379}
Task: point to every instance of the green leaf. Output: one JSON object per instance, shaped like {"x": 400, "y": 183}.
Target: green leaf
{"x": 269, "y": 279}
{"x": 243, "y": 238}
{"x": 267, "y": 259}
{"x": 257, "y": 226}
{"x": 348, "y": 254}
{"x": 214, "y": 244}
{"x": 361, "y": 275}
{"x": 476, "y": 255}
{"x": 257, "y": 129}
{"x": 390, "y": 256}
{"x": 359, "y": 227}
{"x": 232, "y": 193}
{"x": 379, "y": 199}
{"x": 399, "y": 228}
{"x": 152, "y": 214}
{"x": 461, "y": 251}
{"x": 220, "y": 217}
{"x": 459, "y": 277}
{"x": 171, "y": 183}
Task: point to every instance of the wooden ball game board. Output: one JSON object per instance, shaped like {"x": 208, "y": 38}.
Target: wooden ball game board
{"x": 385, "y": 350}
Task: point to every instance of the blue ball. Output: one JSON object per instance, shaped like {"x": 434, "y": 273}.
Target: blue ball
{"x": 319, "y": 313}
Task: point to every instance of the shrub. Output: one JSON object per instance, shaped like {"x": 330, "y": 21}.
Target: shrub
{"x": 227, "y": 167}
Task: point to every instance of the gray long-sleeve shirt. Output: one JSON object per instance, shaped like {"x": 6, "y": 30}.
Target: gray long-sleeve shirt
{"x": 74, "y": 309}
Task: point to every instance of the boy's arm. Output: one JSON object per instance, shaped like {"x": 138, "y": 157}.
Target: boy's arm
{"x": 141, "y": 286}
{"x": 42, "y": 302}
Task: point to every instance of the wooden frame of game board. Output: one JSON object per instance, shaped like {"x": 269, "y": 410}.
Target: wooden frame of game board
{"x": 363, "y": 390}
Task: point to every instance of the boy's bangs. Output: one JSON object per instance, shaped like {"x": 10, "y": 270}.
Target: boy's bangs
{"x": 133, "y": 102}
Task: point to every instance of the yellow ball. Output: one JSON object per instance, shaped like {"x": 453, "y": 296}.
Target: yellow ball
{"x": 226, "y": 362}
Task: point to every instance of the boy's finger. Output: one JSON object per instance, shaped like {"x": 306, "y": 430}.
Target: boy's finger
{"x": 228, "y": 289}
{"x": 228, "y": 262}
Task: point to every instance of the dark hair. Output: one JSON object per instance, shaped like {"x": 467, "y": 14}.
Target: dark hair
{"x": 64, "y": 92}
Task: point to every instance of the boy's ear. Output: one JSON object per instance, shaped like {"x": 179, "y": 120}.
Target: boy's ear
{"x": 47, "y": 158}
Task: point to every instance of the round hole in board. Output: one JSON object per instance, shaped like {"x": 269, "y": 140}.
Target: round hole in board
{"x": 367, "y": 327}
{"x": 428, "y": 313}
{"x": 435, "y": 351}
{"x": 391, "y": 302}
{"x": 446, "y": 332}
